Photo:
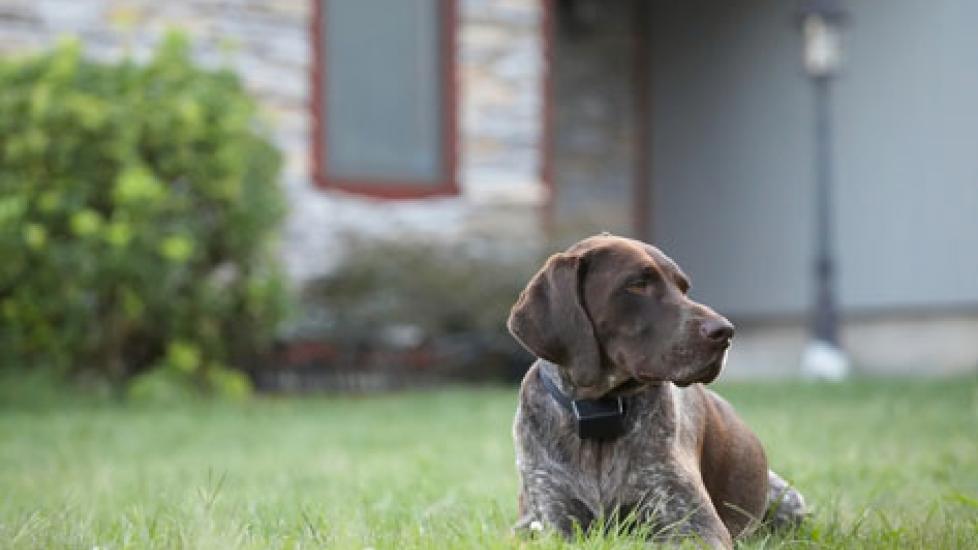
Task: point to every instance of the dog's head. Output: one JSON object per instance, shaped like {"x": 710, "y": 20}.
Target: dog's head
{"x": 611, "y": 309}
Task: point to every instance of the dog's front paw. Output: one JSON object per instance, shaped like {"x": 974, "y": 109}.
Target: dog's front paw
{"x": 528, "y": 527}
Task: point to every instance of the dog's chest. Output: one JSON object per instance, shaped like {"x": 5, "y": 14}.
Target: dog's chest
{"x": 618, "y": 472}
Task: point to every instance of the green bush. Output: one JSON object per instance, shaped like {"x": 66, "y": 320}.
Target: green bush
{"x": 137, "y": 208}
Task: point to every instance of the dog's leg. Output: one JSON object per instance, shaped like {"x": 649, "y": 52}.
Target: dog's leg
{"x": 785, "y": 505}
{"x": 546, "y": 505}
{"x": 678, "y": 508}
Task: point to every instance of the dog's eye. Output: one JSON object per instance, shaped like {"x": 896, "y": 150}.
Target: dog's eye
{"x": 639, "y": 286}
{"x": 683, "y": 284}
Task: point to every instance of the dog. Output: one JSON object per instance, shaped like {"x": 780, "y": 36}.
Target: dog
{"x": 613, "y": 422}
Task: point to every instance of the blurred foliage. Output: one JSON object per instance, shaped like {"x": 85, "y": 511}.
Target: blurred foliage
{"x": 438, "y": 287}
{"x": 137, "y": 208}
{"x": 404, "y": 292}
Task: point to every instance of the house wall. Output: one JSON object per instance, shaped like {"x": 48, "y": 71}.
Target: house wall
{"x": 268, "y": 43}
{"x": 732, "y": 154}
{"x": 732, "y": 173}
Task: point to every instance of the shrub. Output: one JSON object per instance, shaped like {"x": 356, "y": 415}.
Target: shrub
{"x": 405, "y": 293}
{"x": 137, "y": 208}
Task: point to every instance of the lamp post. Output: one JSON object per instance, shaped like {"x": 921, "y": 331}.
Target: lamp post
{"x": 821, "y": 24}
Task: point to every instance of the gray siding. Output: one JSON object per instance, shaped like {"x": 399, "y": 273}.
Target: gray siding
{"x": 731, "y": 154}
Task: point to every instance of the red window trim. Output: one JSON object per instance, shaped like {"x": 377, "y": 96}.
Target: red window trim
{"x": 447, "y": 185}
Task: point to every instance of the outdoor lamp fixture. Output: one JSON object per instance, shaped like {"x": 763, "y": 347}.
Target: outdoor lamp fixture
{"x": 821, "y": 24}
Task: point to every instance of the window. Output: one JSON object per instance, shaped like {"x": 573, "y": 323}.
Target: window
{"x": 384, "y": 103}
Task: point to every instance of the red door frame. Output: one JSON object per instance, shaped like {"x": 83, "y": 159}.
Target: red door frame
{"x": 390, "y": 189}
{"x": 641, "y": 83}
{"x": 547, "y": 29}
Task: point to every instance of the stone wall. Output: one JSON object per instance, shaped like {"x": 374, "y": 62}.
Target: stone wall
{"x": 595, "y": 118}
{"x": 267, "y": 42}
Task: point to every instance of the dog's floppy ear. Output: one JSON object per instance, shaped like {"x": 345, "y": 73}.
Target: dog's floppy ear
{"x": 550, "y": 321}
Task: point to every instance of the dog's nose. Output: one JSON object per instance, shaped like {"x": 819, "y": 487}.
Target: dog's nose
{"x": 717, "y": 329}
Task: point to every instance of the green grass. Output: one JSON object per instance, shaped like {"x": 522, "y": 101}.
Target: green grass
{"x": 890, "y": 464}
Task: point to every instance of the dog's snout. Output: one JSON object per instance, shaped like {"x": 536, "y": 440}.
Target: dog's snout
{"x": 717, "y": 329}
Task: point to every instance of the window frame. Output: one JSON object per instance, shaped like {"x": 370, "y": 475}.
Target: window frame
{"x": 390, "y": 188}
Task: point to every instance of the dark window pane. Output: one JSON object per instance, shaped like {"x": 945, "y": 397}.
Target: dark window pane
{"x": 383, "y": 83}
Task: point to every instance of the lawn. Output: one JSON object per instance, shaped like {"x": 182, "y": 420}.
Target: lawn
{"x": 890, "y": 464}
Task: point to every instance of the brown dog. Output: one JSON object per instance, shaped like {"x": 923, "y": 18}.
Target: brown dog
{"x": 613, "y": 421}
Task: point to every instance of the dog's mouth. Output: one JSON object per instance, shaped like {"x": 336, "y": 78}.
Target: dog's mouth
{"x": 684, "y": 377}
{"x": 708, "y": 373}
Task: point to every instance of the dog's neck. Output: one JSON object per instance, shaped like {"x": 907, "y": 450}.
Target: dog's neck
{"x": 603, "y": 418}
{"x": 558, "y": 378}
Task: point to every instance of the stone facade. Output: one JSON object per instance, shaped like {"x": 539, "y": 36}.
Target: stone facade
{"x": 268, "y": 43}
{"x": 596, "y": 118}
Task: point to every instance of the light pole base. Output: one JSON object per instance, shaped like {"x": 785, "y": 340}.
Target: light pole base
{"x": 822, "y": 360}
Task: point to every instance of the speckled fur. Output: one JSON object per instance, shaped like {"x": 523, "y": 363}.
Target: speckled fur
{"x": 566, "y": 480}
{"x": 651, "y": 473}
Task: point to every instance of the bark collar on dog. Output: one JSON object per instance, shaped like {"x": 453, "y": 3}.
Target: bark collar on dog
{"x": 602, "y": 418}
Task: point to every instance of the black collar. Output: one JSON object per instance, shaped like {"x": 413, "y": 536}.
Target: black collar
{"x": 602, "y": 418}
